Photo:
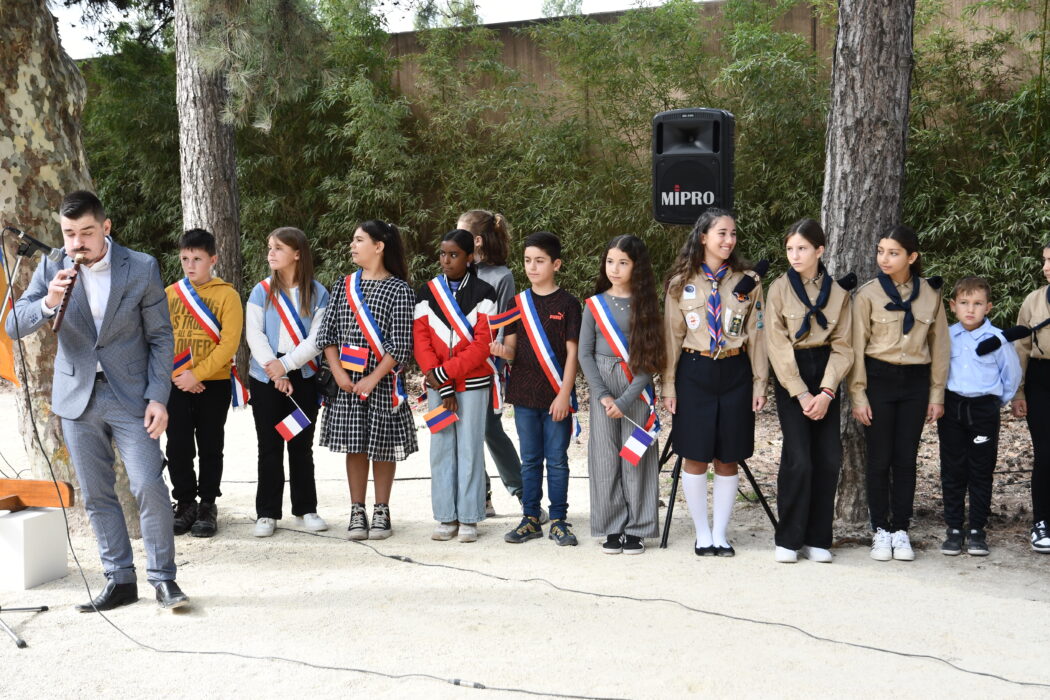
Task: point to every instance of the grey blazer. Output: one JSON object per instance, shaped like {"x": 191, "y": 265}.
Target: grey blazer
{"x": 134, "y": 345}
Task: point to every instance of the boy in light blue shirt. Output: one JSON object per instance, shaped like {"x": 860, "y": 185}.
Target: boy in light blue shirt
{"x": 978, "y": 386}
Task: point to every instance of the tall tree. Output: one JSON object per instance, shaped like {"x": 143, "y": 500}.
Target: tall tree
{"x": 864, "y": 168}
{"x": 41, "y": 158}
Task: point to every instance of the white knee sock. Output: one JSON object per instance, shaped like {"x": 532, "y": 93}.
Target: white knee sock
{"x": 722, "y": 507}
{"x": 695, "y": 487}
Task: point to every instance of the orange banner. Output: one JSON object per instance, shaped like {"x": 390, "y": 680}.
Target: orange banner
{"x": 7, "y": 356}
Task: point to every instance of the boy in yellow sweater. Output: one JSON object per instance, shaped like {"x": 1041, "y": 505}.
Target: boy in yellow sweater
{"x": 207, "y": 318}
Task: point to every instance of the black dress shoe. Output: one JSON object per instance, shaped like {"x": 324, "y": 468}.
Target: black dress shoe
{"x": 112, "y": 596}
{"x": 704, "y": 551}
{"x": 207, "y": 521}
{"x": 726, "y": 551}
{"x": 169, "y": 595}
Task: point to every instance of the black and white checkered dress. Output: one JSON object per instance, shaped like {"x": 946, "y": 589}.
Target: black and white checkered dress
{"x": 371, "y": 426}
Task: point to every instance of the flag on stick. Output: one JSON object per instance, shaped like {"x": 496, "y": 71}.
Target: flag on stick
{"x": 439, "y": 418}
{"x": 636, "y": 445}
{"x": 183, "y": 360}
{"x": 506, "y": 318}
{"x": 353, "y": 359}
{"x": 295, "y": 423}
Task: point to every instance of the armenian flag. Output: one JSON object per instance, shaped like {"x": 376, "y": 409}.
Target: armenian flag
{"x": 439, "y": 418}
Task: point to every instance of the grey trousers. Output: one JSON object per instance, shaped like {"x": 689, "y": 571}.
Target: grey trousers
{"x": 90, "y": 440}
{"x": 624, "y": 498}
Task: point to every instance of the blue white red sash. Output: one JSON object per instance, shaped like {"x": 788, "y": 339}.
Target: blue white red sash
{"x": 541, "y": 347}
{"x": 461, "y": 325}
{"x": 209, "y": 323}
{"x": 367, "y": 323}
{"x": 616, "y": 339}
{"x": 290, "y": 318}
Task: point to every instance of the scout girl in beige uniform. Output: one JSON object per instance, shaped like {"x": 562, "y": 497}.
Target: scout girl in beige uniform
{"x": 901, "y": 355}
{"x": 716, "y": 372}
{"x": 808, "y": 338}
{"x": 1033, "y": 402}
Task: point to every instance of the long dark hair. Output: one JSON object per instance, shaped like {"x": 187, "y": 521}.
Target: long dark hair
{"x": 646, "y": 336}
{"x": 393, "y": 248}
{"x": 304, "y": 268}
{"x": 808, "y": 229}
{"x": 691, "y": 256}
{"x": 909, "y": 240}
{"x": 465, "y": 241}
{"x": 494, "y": 232}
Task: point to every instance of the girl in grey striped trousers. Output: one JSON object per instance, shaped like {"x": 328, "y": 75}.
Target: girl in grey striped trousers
{"x": 621, "y": 347}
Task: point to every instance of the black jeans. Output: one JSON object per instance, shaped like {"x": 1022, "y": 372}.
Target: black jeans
{"x": 196, "y": 427}
{"x": 969, "y": 437}
{"x": 270, "y": 407}
{"x": 810, "y": 460}
{"x": 899, "y": 396}
{"x": 1037, "y": 393}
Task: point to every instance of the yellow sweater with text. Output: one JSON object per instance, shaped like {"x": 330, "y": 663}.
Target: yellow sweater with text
{"x": 210, "y": 360}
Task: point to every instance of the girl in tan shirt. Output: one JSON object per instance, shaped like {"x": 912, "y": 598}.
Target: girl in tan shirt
{"x": 811, "y": 350}
{"x": 715, "y": 379}
{"x": 901, "y": 355}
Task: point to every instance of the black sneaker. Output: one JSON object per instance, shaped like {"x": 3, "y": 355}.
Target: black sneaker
{"x": 1041, "y": 537}
{"x": 954, "y": 544}
{"x": 207, "y": 523}
{"x": 381, "y": 528}
{"x": 632, "y": 544}
{"x": 562, "y": 535}
{"x": 613, "y": 544}
{"x": 185, "y": 516}
{"x": 528, "y": 529}
{"x": 977, "y": 543}
{"x": 358, "y": 528}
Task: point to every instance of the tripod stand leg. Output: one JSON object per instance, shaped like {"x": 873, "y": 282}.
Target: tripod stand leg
{"x": 758, "y": 492}
{"x": 19, "y": 642}
{"x": 675, "y": 474}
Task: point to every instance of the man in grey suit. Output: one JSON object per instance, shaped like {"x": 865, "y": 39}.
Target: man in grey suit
{"x": 111, "y": 384}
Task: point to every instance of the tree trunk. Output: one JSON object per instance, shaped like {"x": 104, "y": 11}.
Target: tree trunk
{"x": 41, "y": 159}
{"x": 207, "y": 152}
{"x": 864, "y": 170}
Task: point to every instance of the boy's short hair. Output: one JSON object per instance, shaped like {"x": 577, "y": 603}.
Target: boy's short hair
{"x": 77, "y": 204}
{"x": 972, "y": 284}
{"x": 197, "y": 239}
{"x": 545, "y": 241}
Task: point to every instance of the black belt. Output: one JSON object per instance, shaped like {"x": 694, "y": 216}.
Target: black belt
{"x": 100, "y": 377}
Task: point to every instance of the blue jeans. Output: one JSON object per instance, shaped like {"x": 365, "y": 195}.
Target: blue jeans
{"x": 540, "y": 438}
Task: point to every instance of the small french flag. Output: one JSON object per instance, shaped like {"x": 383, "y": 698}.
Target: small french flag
{"x": 439, "y": 419}
{"x": 352, "y": 358}
{"x": 504, "y": 319}
{"x": 636, "y": 446}
{"x": 183, "y": 360}
{"x": 295, "y": 423}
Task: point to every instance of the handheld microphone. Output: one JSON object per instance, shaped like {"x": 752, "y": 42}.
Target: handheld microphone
{"x": 56, "y": 254}
{"x": 751, "y": 278}
{"x": 995, "y": 342}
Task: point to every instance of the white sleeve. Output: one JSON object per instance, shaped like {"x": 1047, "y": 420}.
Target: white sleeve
{"x": 255, "y": 334}
{"x": 306, "y": 350}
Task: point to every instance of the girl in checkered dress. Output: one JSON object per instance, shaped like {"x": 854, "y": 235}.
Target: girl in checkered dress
{"x": 365, "y": 421}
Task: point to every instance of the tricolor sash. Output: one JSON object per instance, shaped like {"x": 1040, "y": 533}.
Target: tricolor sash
{"x": 461, "y": 325}
{"x": 290, "y": 318}
{"x": 616, "y": 339}
{"x": 541, "y": 347}
{"x": 367, "y": 323}
{"x": 209, "y": 323}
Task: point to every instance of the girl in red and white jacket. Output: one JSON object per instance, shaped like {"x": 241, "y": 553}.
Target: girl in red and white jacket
{"x": 452, "y": 336}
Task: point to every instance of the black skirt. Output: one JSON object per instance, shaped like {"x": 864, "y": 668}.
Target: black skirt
{"x": 713, "y": 419}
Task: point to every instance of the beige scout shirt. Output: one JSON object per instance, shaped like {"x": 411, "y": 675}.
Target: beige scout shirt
{"x": 685, "y": 322}
{"x": 784, "y": 315}
{"x": 1034, "y": 310}
{"x": 879, "y": 333}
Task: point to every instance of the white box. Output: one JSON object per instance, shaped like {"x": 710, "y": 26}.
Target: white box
{"x": 32, "y": 548}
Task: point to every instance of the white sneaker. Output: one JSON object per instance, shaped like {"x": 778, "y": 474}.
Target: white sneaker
{"x": 468, "y": 532}
{"x": 445, "y": 531}
{"x": 264, "y": 527}
{"x": 902, "y": 550}
{"x": 544, "y": 517}
{"x": 785, "y": 555}
{"x": 817, "y": 554}
{"x": 881, "y": 546}
{"x": 314, "y": 522}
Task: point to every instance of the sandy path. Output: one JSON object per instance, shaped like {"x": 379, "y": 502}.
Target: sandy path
{"x": 331, "y": 602}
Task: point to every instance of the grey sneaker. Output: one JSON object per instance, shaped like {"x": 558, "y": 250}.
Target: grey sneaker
{"x": 358, "y": 529}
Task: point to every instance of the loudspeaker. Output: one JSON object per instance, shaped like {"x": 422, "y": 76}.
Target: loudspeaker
{"x": 692, "y": 163}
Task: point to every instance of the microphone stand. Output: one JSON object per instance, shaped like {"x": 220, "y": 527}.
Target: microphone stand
{"x": 19, "y": 642}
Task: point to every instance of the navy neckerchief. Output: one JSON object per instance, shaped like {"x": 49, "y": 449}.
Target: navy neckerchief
{"x": 898, "y": 304}
{"x": 812, "y": 309}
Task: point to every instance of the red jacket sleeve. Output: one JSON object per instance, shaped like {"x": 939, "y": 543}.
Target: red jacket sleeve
{"x": 467, "y": 360}
{"x": 422, "y": 345}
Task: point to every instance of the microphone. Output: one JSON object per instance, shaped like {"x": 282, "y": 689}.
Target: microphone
{"x": 56, "y": 254}
{"x": 79, "y": 260}
{"x": 751, "y": 278}
{"x": 995, "y": 342}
